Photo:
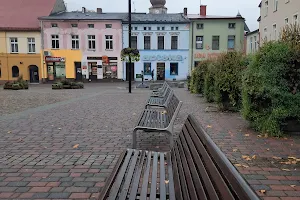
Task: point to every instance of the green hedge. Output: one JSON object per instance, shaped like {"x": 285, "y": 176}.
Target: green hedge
{"x": 271, "y": 85}
{"x": 197, "y": 78}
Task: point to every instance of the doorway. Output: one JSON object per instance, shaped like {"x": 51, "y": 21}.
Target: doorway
{"x": 160, "y": 69}
{"x": 78, "y": 71}
{"x": 34, "y": 74}
{"x": 132, "y": 71}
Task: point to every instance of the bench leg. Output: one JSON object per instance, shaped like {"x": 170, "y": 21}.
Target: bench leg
{"x": 134, "y": 139}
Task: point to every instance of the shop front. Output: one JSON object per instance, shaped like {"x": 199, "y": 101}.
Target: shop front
{"x": 100, "y": 68}
{"x": 56, "y": 68}
{"x": 163, "y": 65}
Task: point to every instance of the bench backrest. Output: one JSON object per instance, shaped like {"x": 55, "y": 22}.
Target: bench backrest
{"x": 171, "y": 106}
{"x": 201, "y": 170}
{"x": 167, "y": 94}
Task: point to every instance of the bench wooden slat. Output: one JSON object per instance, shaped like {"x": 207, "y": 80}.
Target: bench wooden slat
{"x": 181, "y": 175}
{"x": 188, "y": 175}
{"x": 129, "y": 176}
{"x": 146, "y": 177}
{"x": 193, "y": 181}
{"x": 137, "y": 176}
{"x": 170, "y": 178}
{"x": 154, "y": 177}
{"x": 117, "y": 184}
{"x": 214, "y": 173}
{"x": 177, "y": 184}
{"x": 193, "y": 154}
{"x": 162, "y": 177}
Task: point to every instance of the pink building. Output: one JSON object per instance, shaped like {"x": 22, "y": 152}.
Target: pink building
{"x": 81, "y": 42}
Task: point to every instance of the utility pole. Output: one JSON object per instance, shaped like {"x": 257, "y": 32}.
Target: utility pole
{"x": 129, "y": 40}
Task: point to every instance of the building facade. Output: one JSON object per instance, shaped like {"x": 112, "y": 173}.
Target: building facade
{"x": 163, "y": 42}
{"x": 212, "y": 35}
{"x": 275, "y": 14}
{"x": 20, "y": 38}
{"x": 252, "y": 42}
{"x": 83, "y": 45}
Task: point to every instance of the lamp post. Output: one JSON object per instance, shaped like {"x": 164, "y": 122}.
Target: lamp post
{"x": 129, "y": 40}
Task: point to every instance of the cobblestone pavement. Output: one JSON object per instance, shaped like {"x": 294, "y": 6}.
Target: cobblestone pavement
{"x": 67, "y": 146}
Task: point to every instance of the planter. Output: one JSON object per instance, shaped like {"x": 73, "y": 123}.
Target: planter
{"x": 67, "y": 86}
{"x": 7, "y": 87}
{"x": 16, "y": 86}
{"x": 75, "y": 87}
{"x": 134, "y": 55}
{"x": 56, "y": 87}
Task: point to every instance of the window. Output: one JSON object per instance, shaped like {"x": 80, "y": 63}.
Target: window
{"x": 274, "y": 32}
{"x": 108, "y": 25}
{"x": 75, "y": 42}
{"x": 266, "y": 8}
{"x": 265, "y": 34}
{"x": 255, "y": 43}
{"x": 31, "y": 45}
{"x": 55, "y": 41}
{"x": 173, "y": 68}
{"x": 163, "y": 28}
{"x": 91, "y": 25}
{"x": 215, "y": 42}
{"x": 251, "y": 44}
{"x": 149, "y": 28}
{"x": 14, "y": 47}
{"x": 134, "y": 42}
{"x": 158, "y": 28}
{"x": 295, "y": 18}
{"x": 74, "y": 25}
{"x": 199, "y": 42}
{"x": 109, "y": 42}
{"x": 172, "y": 28}
{"x": 174, "y": 42}
{"x": 160, "y": 42}
{"x": 147, "y": 69}
{"x": 231, "y": 41}
{"x": 136, "y": 28}
{"x": 15, "y": 71}
{"x": 231, "y": 25}
{"x": 176, "y": 28}
{"x": 91, "y": 42}
{"x": 200, "y": 26}
{"x": 275, "y": 5}
{"x": 286, "y": 20}
{"x": 147, "y": 42}
{"x": 145, "y": 28}
{"x": 54, "y": 25}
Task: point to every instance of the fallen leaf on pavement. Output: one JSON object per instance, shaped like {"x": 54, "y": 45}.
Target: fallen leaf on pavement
{"x": 277, "y": 158}
{"x": 59, "y": 128}
{"x": 262, "y": 191}
{"x": 166, "y": 181}
{"x": 234, "y": 150}
{"x": 237, "y": 165}
{"x": 75, "y": 146}
{"x": 247, "y": 135}
{"x": 286, "y": 170}
{"x": 293, "y": 186}
{"x": 208, "y": 126}
{"x": 268, "y": 149}
{"x": 291, "y": 157}
{"x": 253, "y": 157}
{"x": 246, "y": 166}
{"x": 258, "y": 135}
{"x": 9, "y": 132}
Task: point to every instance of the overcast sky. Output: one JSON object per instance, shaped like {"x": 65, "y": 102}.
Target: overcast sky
{"x": 248, "y": 8}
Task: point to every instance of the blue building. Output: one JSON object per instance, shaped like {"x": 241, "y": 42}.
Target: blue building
{"x": 163, "y": 42}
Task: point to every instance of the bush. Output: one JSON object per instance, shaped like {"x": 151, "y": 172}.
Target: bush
{"x": 188, "y": 82}
{"x": 66, "y": 82}
{"x": 57, "y": 85}
{"x": 8, "y": 86}
{"x": 19, "y": 84}
{"x": 80, "y": 84}
{"x": 228, "y": 79}
{"x": 197, "y": 78}
{"x": 16, "y": 86}
{"x": 209, "y": 83}
{"x": 271, "y": 85}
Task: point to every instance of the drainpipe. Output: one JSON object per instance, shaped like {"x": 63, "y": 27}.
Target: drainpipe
{"x": 192, "y": 61}
{"x": 42, "y": 48}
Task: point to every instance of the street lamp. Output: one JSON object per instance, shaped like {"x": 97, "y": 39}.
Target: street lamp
{"x": 129, "y": 40}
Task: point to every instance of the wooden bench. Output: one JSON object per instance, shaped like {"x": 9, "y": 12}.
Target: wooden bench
{"x": 158, "y": 120}
{"x": 160, "y": 91}
{"x": 194, "y": 169}
{"x": 160, "y": 101}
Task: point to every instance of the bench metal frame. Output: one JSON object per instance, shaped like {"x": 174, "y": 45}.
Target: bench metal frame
{"x": 165, "y": 99}
{"x": 169, "y": 129}
{"x": 160, "y": 92}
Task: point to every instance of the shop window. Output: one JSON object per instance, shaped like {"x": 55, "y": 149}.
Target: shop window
{"x": 15, "y": 71}
{"x": 173, "y": 68}
{"x": 147, "y": 68}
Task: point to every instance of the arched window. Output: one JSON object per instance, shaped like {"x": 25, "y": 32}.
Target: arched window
{"x": 15, "y": 71}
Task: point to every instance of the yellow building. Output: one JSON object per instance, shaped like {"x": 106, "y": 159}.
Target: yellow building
{"x": 20, "y": 38}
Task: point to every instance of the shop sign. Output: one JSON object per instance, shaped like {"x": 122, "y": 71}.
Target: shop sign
{"x": 55, "y": 59}
{"x": 206, "y": 55}
{"x": 163, "y": 58}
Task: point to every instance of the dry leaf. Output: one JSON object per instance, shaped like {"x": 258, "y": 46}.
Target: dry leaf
{"x": 266, "y": 135}
{"x": 246, "y": 166}
{"x": 291, "y": 157}
{"x": 237, "y": 165}
{"x": 247, "y": 135}
{"x": 9, "y": 132}
{"x": 75, "y": 146}
{"x": 285, "y": 138}
{"x": 277, "y": 158}
{"x": 166, "y": 181}
{"x": 286, "y": 170}
{"x": 268, "y": 149}
{"x": 248, "y": 159}
{"x": 234, "y": 150}
{"x": 253, "y": 157}
{"x": 245, "y": 157}
{"x": 293, "y": 186}
{"x": 262, "y": 191}
{"x": 259, "y": 136}
{"x": 59, "y": 128}
{"x": 208, "y": 126}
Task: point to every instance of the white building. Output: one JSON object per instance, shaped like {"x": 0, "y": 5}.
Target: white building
{"x": 252, "y": 41}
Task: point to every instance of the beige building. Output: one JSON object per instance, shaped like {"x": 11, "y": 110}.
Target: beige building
{"x": 275, "y": 14}
{"x": 252, "y": 41}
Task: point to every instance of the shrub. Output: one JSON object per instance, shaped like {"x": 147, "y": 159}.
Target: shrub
{"x": 209, "y": 83}
{"x": 80, "y": 84}
{"x": 8, "y": 85}
{"x": 16, "y": 86}
{"x": 228, "y": 79}
{"x": 188, "y": 82}
{"x": 57, "y": 85}
{"x": 271, "y": 85}
{"x": 198, "y": 74}
{"x": 66, "y": 82}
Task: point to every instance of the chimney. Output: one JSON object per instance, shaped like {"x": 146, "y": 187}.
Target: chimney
{"x": 185, "y": 11}
{"x": 203, "y": 10}
{"x": 83, "y": 9}
{"x": 99, "y": 10}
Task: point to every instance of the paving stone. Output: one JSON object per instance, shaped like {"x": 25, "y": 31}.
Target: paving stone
{"x": 59, "y": 195}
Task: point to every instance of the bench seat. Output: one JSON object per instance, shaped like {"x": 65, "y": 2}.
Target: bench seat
{"x": 153, "y": 119}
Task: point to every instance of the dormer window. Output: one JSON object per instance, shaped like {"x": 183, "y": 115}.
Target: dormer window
{"x": 54, "y": 25}
{"x": 231, "y": 25}
{"x": 74, "y": 25}
{"x": 200, "y": 26}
